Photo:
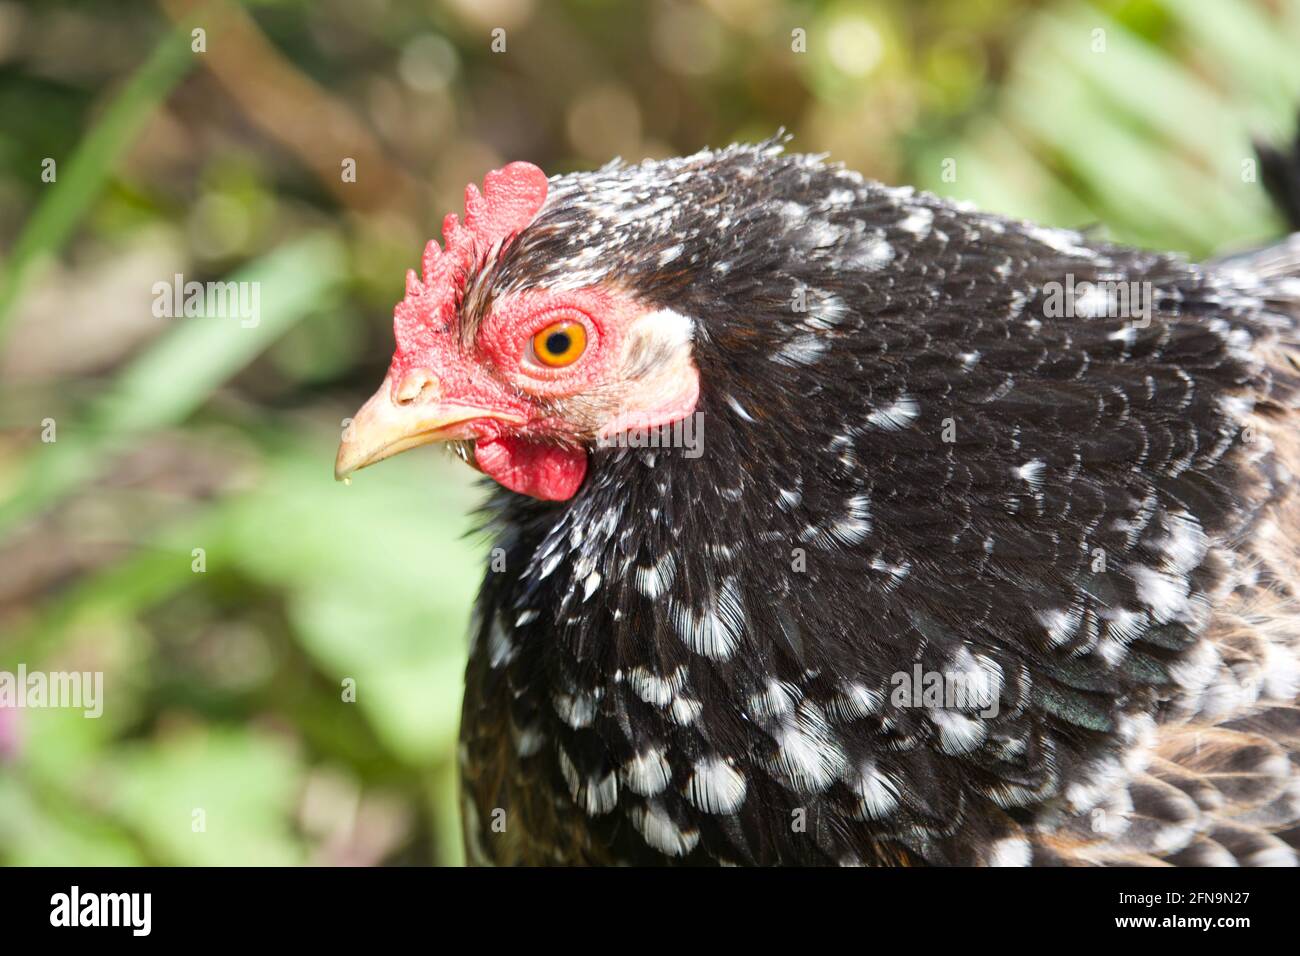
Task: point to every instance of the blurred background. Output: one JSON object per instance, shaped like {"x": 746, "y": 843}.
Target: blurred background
{"x": 282, "y": 652}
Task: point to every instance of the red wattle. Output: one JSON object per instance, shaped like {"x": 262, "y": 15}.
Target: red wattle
{"x": 531, "y": 468}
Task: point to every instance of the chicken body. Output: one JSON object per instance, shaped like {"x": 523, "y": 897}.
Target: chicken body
{"x": 981, "y": 547}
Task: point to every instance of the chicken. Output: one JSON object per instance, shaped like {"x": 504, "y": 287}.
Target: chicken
{"x": 839, "y": 524}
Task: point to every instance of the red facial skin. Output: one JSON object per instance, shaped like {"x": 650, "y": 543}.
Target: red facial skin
{"x": 541, "y": 457}
{"x": 522, "y": 442}
{"x": 507, "y": 334}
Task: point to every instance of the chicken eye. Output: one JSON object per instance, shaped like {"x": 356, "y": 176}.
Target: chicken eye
{"x": 560, "y": 344}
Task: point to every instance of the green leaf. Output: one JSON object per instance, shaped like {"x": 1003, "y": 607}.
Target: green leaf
{"x": 178, "y": 372}
{"x": 208, "y": 798}
{"x": 83, "y": 177}
{"x": 379, "y": 578}
{"x": 36, "y": 832}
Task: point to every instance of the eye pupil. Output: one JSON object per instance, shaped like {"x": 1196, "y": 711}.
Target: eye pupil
{"x": 560, "y": 344}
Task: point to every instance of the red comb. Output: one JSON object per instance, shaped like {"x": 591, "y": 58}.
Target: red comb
{"x": 510, "y": 199}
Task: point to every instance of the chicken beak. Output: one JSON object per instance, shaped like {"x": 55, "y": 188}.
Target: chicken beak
{"x": 384, "y": 427}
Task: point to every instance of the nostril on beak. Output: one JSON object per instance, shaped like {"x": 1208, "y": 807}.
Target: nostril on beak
{"x": 417, "y": 385}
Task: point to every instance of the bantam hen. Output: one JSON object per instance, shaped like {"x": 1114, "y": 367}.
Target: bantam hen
{"x": 840, "y": 524}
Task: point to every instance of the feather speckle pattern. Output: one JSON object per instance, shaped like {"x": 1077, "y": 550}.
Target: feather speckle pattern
{"x": 958, "y": 578}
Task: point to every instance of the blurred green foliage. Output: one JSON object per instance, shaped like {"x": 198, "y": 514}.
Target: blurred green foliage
{"x": 183, "y": 534}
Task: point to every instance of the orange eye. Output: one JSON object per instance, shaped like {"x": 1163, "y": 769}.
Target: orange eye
{"x": 560, "y": 344}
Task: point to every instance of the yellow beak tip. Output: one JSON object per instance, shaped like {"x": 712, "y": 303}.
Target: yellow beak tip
{"x": 381, "y": 429}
